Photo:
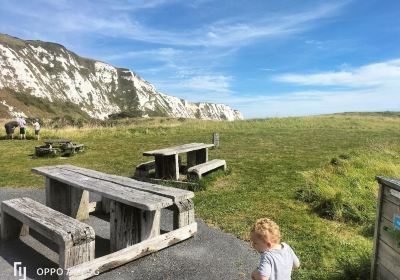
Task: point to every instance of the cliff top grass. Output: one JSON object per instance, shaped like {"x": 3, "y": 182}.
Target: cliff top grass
{"x": 313, "y": 175}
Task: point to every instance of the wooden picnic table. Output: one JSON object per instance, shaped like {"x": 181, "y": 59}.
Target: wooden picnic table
{"x": 67, "y": 191}
{"x": 167, "y": 161}
{"x": 57, "y": 141}
{"x": 134, "y": 208}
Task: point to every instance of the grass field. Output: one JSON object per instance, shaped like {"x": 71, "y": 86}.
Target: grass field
{"x": 313, "y": 175}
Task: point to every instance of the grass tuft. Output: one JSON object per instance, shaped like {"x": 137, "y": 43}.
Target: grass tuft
{"x": 345, "y": 189}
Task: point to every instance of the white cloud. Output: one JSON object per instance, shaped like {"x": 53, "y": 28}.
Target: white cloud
{"x": 160, "y": 54}
{"x": 216, "y": 84}
{"x": 316, "y": 102}
{"x": 101, "y": 18}
{"x": 383, "y": 74}
{"x": 211, "y": 88}
{"x": 372, "y": 87}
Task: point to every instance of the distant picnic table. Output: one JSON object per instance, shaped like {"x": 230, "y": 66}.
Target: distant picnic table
{"x": 167, "y": 160}
{"x": 58, "y": 147}
{"x": 57, "y": 141}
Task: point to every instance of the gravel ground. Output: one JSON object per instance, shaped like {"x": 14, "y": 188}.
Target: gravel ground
{"x": 210, "y": 254}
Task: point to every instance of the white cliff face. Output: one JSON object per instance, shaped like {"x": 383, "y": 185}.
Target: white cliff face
{"x": 13, "y": 113}
{"x": 49, "y": 71}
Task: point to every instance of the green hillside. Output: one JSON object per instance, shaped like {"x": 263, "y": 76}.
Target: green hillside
{"x": 313, "y": 175}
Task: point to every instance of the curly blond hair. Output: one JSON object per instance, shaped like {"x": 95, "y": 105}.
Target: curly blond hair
{"x": 267, "y": 230}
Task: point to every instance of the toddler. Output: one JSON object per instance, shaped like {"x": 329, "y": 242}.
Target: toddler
{"x": 276, "y": 259}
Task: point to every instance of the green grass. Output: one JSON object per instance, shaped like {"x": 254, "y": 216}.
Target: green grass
{"x": 279, "y": 168}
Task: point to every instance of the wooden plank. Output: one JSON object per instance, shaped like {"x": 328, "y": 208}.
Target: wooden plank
{"x": 172, "y": 150}
{"x": 390, "y": 182}
{"x": 129, "y": 196}
{"x": 75, "y": 240}
{"x": 130, "y": 225}
{"x": 386, "y": 237}
{"x": 102, "y": 264}
{"x": 191, "y": 159}
{"x": 183, "y": 213}
{"x": 170, "y": 192}
{"x": 79, "y": 204}
{"x": 392, "y": 195}
{"x": 382, "y": 273}
{"x": 58, "y": 196}
{"x": 77, "y": 254}
{"x": 171, "y": 167}
{"x": 209, "y": 165}
{"x": 105, "y": 205}
{"x": 200, "y": 169}
{"x": 376, "y": 232}
{"x": 48, "y": 222}
{"x": 389, "y": 209}
{"x": 201, "y": 156}
{"x": 182, "y": 184}
{"x": 143, "y": 169}
{"x": 11, "y": 228}
{"x": 148, "y": 165}
{"x": 389, "y": 258}
{"x": 159, "y": 160}
{"x": 178, "y": 149}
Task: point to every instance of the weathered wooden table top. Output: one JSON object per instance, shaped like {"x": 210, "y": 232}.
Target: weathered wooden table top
{"x": 178, "y": 149}
{"x": 106, "y": 186}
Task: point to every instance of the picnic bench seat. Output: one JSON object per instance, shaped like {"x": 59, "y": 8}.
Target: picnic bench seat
{"x": 75, "y": 240}
{"x": 199, "y": 170}
{"x": 78, "y": 147}
{"x": 143, "y": 169}
{"x": 134, "y": 206}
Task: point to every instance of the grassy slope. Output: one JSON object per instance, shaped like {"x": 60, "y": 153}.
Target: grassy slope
{"x": 266, "y": 158}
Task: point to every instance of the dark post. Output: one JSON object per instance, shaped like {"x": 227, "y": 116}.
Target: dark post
{"x": 215, "y": 140}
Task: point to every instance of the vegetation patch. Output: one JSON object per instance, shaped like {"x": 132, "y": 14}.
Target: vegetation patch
{"x": 345, "y": 189}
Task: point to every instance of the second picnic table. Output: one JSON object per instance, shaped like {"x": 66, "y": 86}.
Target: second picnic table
{"x": 57, "y": 141}
{"x": 167, "y": 162}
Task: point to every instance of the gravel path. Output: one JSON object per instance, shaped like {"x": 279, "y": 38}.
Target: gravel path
{"x": 211, "y": 254}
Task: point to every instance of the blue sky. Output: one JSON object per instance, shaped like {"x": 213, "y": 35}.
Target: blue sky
{"x": 264, "y": 58}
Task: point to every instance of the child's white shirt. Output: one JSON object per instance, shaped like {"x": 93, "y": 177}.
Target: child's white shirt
{"x": 36, "y": 125}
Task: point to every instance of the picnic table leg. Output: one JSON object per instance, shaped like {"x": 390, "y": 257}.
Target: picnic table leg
{"x": 158, "y": 166}
{"x": 167, "y": 167}
{"x": 67, "y": 200}
{"x": 105, "y": 205}
{"x": 191, "y": 158}
{"x": 202, "y": 156}
{"x": 71, "y": 255}
{"x": 11, "y": 228}
{"x": 130, "y": 225}
{"x": 183, "y": 213}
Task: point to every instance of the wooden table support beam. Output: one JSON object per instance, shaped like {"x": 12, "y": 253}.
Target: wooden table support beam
{"x": 130, "y": 225}
{"x": 183, "y": 213}
{"x": 68, "y": 200}
{"x": 113, "y": 260}
{"x": 167, "y": 167}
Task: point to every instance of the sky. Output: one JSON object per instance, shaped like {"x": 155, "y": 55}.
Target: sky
{"x": 266, "y": 58}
